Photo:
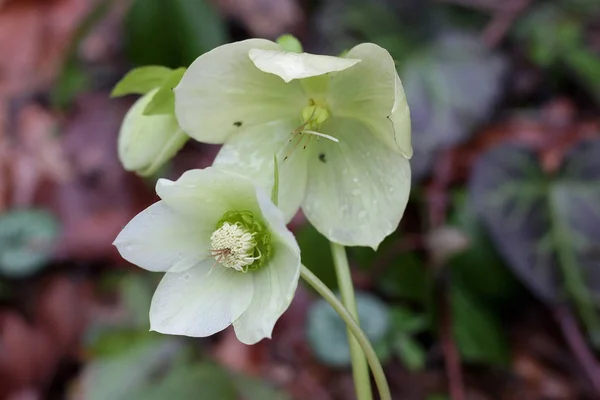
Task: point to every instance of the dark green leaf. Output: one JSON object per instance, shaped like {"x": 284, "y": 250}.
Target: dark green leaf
{"x": 546, "y": 227}
{"x": 477, "y": 331}
{"x": 172, "y": 33}
{"x": 406, "y": 278}
{"x": 27, "y": 239}
{"x": 163, "y": 102}
{"x": 142, "y": 80}
{"x": 316, "y": 254}
{"x": 408, "y": 322}
{"x": 410, "y": 352}
{"x": 327, "y": 332}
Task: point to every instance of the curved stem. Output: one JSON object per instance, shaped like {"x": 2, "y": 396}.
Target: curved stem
{"x": 360, "y": 370}
{"x": 355, "y": 331}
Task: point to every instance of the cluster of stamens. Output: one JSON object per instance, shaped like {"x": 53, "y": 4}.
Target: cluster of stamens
{"x": 233, "y": 246}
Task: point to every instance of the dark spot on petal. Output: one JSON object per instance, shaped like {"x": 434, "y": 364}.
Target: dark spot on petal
{"x": 322, "y": 157}
{"x": 237, "y": 123}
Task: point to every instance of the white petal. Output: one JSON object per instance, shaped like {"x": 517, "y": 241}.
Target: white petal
{"x": 223, "y": 90}
{"x": 201, "y": 301}
{"x": 368, "y": 93}
{"x": 251, "y": 151}
{"x": 274, "y": 284}
{"x": 290, "y": 66}
{"x": 159, "y": 239}
{"x": 358, "y": 188}
{"x": 401, "y": 120}
{"x": 207, "y": 194}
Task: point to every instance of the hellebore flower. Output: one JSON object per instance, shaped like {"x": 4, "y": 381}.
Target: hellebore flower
{"x": 227, "y": 254}
{"x": 147, "y": 142}
{"x": 339, "y": 126}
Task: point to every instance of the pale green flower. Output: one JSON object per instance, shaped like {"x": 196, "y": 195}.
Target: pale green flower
{"x": 340, "y": 128}
{"x": 147, "y": 142}
{"x": 227, "y": 254}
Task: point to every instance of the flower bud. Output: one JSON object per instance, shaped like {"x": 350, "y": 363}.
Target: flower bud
{"x": 147, "y": 142}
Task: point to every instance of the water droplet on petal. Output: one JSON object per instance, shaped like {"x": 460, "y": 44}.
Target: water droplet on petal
{"x": 355, "y": 192}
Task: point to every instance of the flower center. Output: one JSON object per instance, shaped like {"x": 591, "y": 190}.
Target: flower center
{"x": 240, "y": 242}
{"x": 313, "y": 116}
{"x": 233, "y": 246}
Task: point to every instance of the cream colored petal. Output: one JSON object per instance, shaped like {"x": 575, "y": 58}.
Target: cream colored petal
{"x": 290, "y": 66}
{"x": 160, "y": 239}
{"x": 358, "y": 188}
{"x": 201, "y": 301}
{"x": 251, "y": 151}
{"x": 223, "y": 91}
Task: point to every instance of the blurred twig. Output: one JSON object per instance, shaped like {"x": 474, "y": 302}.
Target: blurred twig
{"x": 578, "y": 345}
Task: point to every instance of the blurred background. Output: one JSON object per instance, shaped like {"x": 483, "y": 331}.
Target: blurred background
{"x": 488, "y": 290}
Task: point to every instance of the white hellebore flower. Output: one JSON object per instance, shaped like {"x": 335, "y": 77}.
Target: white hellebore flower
{"x": 227, "y": 254}
{"x": 340, "y": 128}
{"x": 147, "y": 142}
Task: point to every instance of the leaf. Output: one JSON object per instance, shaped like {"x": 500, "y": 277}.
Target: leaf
{"x": 117, "y": 377}
{"x": 477, "y": 331}
{"x": 410, "y": 352}
{"x": 163, "y": 102}
{"x": 546, "y": 227}
{"x": 316, "y": 255}
{"x": 406, "y": 321}
{"x": 255, "y": 389}
{"x": 450, "y": 88}
{"x": 290, "y": 43}
{"x": 27, "y": 240}
{"x": 327, "y": 332}
{"x": 480, "y": 267}
{"x": 172, "y": 33}
{"x": 142, "y": 80}
{"x": 406, "y": 278}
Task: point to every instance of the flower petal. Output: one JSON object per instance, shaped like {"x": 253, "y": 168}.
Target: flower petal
{"x": 401, "y": 120}
{"x": 358, "y": 188}
{"x": 250, "y": 152}
{"x": 222, "y": 91}
{"x": 159, "y": 239}
{"x": 289, "y": 66}
{"x": 201, "y": 301}
{"x": 368, "y": 93}
{"x": 207, "y": 194}
{"x": 274, "y": 284}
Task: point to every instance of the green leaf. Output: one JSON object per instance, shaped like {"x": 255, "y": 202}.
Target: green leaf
{"x": 406, "y": 321}
{"x": 255, "y": 389}
{"x": 327, "y": 332}
{"x": 142, "y": 80}
{"x": 410, "y": 352}
{"x": 406, "y": 278}
{"x": 479, "y": 334}
{"x": 480, "y": 267}
{"x": 290, "y": 43}
{"x": 27, "y": 240}
{"x": 172, "y": 33}
{"x": 546, "y": 227}
{"x": 316, "y": 254}
{"x": 163, "y": 102}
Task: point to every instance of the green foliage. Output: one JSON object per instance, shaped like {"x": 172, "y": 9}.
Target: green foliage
{"x": 316, "y": 254}
{"x": 27, "y": 239}
{"x": 406, "y": 278}
{"x": 406, "y": 324}
{"x": 477, "y": 330}
{"x": 142, "y": 80}
{"x": 545, "y": 226}
{"x": 327, "y": 332}
{"x": 163, "y": 102}
{"x": 555, "y": 37}
{"x": 171, "y": 33}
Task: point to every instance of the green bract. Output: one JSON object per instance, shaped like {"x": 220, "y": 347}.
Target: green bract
{"x": 147, "y": 142}
{"x": 340, "y": 128}
{"x": 228, "y": 257}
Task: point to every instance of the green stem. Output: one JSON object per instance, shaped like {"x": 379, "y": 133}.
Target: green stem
{"x": 355, "y": 333}
{"x": 360, "y": 369}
